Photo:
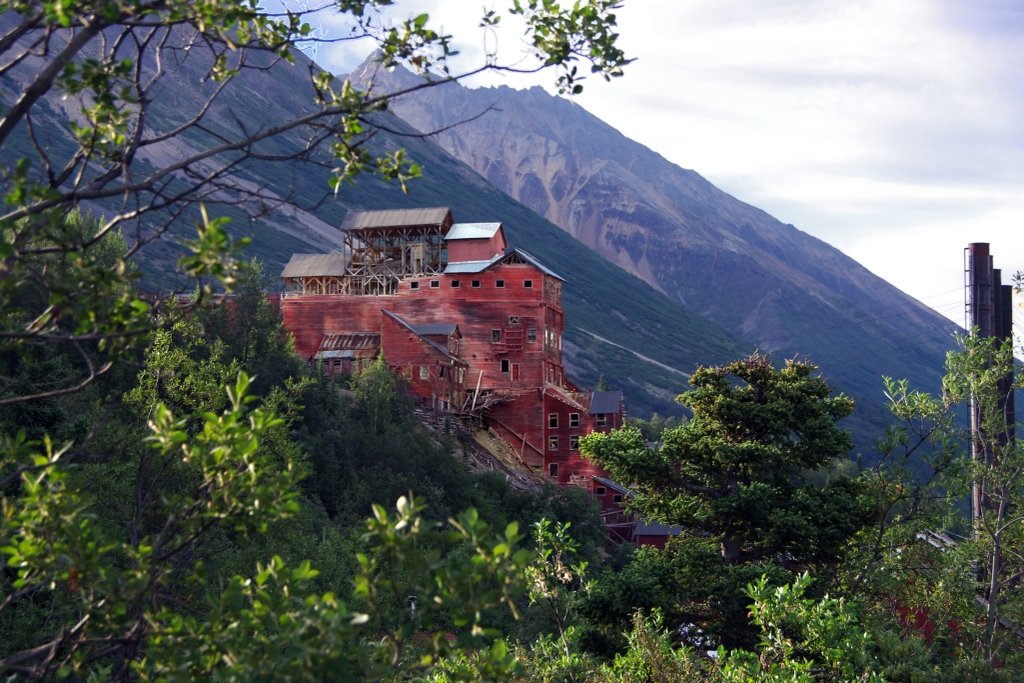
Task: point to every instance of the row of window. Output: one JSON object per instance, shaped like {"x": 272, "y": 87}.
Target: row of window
{"x": 600, "y": 419}
{"x": 460, "y": 373}
{"x": 531, "y": 333}
{"x": 455, "y": 284}
{"x": 574, "y": 420}
{"x": 574, "y": 442}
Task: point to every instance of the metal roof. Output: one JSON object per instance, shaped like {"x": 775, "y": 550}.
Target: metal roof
{"x": 472, "y": 231}
{"x": 469, "y": 266}
{"x": 328, "y": 355}
{"x": 605, "y": 402}
{"x": 396, "y": 218}
{"x": 434, "y": 330}
{"x": 429, "y": 342}
{"x": 480, "y": 266}
{"x": 350, "y": 341}
{"x": 646, "y": 527}
{"x": 533, "y": 261}
{"x": 618, "y": 488}
{"x": 558, "y": 394}
{"x": 313, "y": 265}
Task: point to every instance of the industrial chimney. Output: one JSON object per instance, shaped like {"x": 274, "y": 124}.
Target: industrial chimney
{"x": 989, "y": 315}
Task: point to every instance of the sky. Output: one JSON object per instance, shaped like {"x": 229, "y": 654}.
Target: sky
{"x": 893, "y": 130}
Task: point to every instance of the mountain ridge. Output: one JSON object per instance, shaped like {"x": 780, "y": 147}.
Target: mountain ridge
{"x": 617, "y": 324}
{"x": 770, "y": 284}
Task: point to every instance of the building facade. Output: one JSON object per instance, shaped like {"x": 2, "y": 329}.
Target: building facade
{"x": 473, "y": 325}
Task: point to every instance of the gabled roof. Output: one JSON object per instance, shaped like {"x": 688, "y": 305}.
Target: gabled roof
{"x": 558, "y": 394}
{"x": 604, "y": 481}
{"x": 396, "y": 218}
{"x": 349, "y": 345}
{"x": 436, "y": 330}
{"x": 472, "y": 231}
{"x": 605, "y": 402}
{"x": 429, "y": 342}
{"x": 646, "y": 527}
{"x": 469, "y": 266}
{"x": 350, "y": 341}
{"x": 510, "y": 254}
{"x": 532, "y": 261}
{"x": 313, "y": 265}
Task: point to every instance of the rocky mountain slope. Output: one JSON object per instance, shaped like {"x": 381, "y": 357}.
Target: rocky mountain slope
{"x": 619, "y": 326}
{"x": 766, "y": 282}
{"x": 707, "y": 278}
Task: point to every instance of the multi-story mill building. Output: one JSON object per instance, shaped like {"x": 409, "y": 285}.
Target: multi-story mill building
{"x": 473, "y": 325}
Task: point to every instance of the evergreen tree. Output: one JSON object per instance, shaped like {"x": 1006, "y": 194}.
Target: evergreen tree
{"x": 737, "y": 471}
{"x": 735, "y": 479}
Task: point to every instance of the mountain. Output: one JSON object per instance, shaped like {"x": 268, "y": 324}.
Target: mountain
{"x": 618, "y": 326}
{"x": 767, "y": 283}
{"x": 692, "y": 275}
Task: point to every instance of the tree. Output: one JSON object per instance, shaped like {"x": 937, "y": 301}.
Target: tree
{"x": 979, "y": 372}
{"x": 150, "y": 164}
{"x": 738, "y": 469}
{"x": 743, "y": 480}
{"x": 86, "y": 124}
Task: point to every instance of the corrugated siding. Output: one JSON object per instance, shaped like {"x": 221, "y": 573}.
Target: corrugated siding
{"x": 351, "y": 341}
{"x": 314, "y": 265}
{"x": 395, "y": 218}
{"x": 472, "y": 231}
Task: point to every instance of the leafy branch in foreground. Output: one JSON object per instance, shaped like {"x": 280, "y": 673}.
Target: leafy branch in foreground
{"x": 104, "y": 583}
{"x": 271, "y": 627}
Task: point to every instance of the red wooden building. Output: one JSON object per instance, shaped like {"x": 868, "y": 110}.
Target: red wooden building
{"x": 474, "y": 325}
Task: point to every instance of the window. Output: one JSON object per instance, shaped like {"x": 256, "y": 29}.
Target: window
{"x": 434, "y": 284}
{"x": 617, "y": 498}
{"x": 414, "y": 285}
{"x": 574, "y": 419}
{"x": 527, "y": 284}
{"x": 495, "y": 336}
{"x": 574, "y": 442}
{"x": 475, "y": 283}
{"x": 553, "y": 469}
{"x": 455, "y": 284}
{"x": 553, "y": 420}
{"x": 424, "y": 372}
{"x": 440, "y": 371}
{"x": 531, "y": 335}
{"x": 600, "y": 420}
{"x": 513, "y": 320}
{"x": 599, "y": 490}
{"x": 499, "y": 284}
{"x": 553, "y": 442}
{"x": 504, "y": 365}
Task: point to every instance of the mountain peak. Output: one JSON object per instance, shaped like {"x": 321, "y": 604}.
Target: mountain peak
{"x": 780, "y": 289}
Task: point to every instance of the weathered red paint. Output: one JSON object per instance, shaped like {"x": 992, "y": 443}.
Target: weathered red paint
{"x": 508, "y": 352}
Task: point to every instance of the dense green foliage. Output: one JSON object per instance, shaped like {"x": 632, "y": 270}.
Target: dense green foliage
{"x": 183, "y": 499}
{"x": 187, "y": 532}
{"x": 735, "y": 470}
{"x": 137, "y": 538}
